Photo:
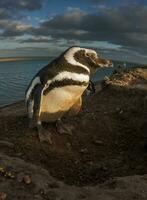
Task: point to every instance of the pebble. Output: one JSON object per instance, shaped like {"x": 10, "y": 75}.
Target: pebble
{"x": 121, "y": 111}
{"x": 68, "y": 145}
{"x": 10, "y": 175}
{"x": 42, "y": 192}
{"x": 3, "y": 196}
{"x": 98, "y": 142}
{"x": 6, "y": 173}
{"x": 27, "y": 179}
{"x": 104, "y": 168}
{"x": 53, "y": 185}
{"x": 81, "y": 196}
{"x": 7, "y": 144}
{"x": 84, "y": 151}
{"x": 117, "y": 109}
{"x": 20, "y": 177}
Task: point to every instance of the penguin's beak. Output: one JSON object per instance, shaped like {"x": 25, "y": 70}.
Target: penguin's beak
{"x": 109, "y": 63}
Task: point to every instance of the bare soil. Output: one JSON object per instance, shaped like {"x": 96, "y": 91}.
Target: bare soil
{"x": 109, "y": 138}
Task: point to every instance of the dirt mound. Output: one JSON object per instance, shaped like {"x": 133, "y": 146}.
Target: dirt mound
{"x": 128, "y": 78}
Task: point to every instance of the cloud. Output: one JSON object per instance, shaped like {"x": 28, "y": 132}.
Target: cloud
{"x": 124, "y": 25}
{"x": 13, "y": 28}
{"x": 36, "y": 40}
{"x": 116, "y": 25}
{"x": 30, "y": 5}
{"x": 14, "y": 9}
{"x": 4, "y": 14}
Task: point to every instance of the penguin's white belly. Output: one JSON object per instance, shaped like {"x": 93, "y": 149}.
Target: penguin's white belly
{"x": 58, "y": 101}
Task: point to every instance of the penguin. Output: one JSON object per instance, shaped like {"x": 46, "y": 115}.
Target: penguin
{"x": 56, "y": 90}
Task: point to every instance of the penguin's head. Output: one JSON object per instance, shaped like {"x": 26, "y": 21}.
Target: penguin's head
{"x": 95, "y": 61}
{"x": 88, "y": 58}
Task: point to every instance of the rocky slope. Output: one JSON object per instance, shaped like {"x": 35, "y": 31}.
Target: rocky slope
{"x": 105, "y": 156}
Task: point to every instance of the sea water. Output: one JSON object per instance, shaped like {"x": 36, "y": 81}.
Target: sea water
{"x": 15, "y": 77}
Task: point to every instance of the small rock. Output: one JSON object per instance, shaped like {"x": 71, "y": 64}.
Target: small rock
{"x": 19, "y": 154}
{"x": 54, "y": 185}
{"x": 37, "y": 197}
{"x": 121, "y": 111}
{"x": 91, "y": 163}
{"x": 81, "y": 196}
{"x": 98, "y": 142}
{"x": 121, "y": 152}
{"x": 84, "y": 151}
{"x": 116, "y": 142}
{"x": 68, "y": 145}
{"x": 118, "y": 109}
{"x": 104, "y": 168}
{"x": 2, "y": 170}
{"x": 76, "y": 162}
{"x": 42, "y": 192}
{"x": 20, "y": 177}
{"x": 3, "y": 196}
{"x": 10, "y": 175}
{"x": 27, "y": 179}
{"x": 6, "y": 144}
{"x": 6, "y": 173}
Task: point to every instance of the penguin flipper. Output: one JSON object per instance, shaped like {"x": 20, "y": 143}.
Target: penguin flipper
{"x": 35, "y": 112}
{"x": 37, "y": 93}
{"x": 33, "y": 105}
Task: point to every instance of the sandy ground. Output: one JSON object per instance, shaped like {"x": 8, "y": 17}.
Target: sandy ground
{"x": 105, "y": 156}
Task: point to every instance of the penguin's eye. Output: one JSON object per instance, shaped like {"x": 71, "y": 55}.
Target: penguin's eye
{"x": 88, "y": 54}
{"x": 91, "y": 55}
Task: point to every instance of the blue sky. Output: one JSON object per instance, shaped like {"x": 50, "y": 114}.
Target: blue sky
{"x": 117, "y": 29}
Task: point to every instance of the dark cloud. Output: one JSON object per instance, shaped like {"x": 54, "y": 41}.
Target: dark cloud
{"x": 21, "y": 4}
{"x": 4, "y": 14}
{"x": 125, "y": 26}
{"x": 14, "y": 9}
{"x": 13, "y": 29}
{"x": 36, "y": 40}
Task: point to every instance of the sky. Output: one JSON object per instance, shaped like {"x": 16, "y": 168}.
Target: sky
{"x": 116, "y": 29}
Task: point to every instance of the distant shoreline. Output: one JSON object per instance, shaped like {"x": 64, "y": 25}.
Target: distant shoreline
{"x": 18, "y": 59}
{"x": 15, "y": 59}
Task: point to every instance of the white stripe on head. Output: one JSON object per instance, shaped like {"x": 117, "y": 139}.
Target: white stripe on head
{"x": 69, "y": 56}
{"x": 33, "y": 84}
{"x": 90, "y": 51}
{"x": 69, "y": 75}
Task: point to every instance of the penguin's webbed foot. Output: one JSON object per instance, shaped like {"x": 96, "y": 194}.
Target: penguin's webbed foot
{"x": 44, "y": 135}
{"x": 32, "y": 123}
{"x": 63, "y": 129}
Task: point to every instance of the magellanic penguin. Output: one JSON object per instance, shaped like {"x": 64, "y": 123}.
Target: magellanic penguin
{"x": 57, "y": 88}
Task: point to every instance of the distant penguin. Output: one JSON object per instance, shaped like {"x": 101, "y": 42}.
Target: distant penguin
{"x": 56, "y": 89}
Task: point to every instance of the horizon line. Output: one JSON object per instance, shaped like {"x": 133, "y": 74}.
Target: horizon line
{"x": 24, "y": 58}
{"x": 47, "y": 58}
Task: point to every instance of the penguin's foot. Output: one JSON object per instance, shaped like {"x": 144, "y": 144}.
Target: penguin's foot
{"x": 44, "y": 135}
{"x": 63, "y": 128}
{"x": 32, "y": 123}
